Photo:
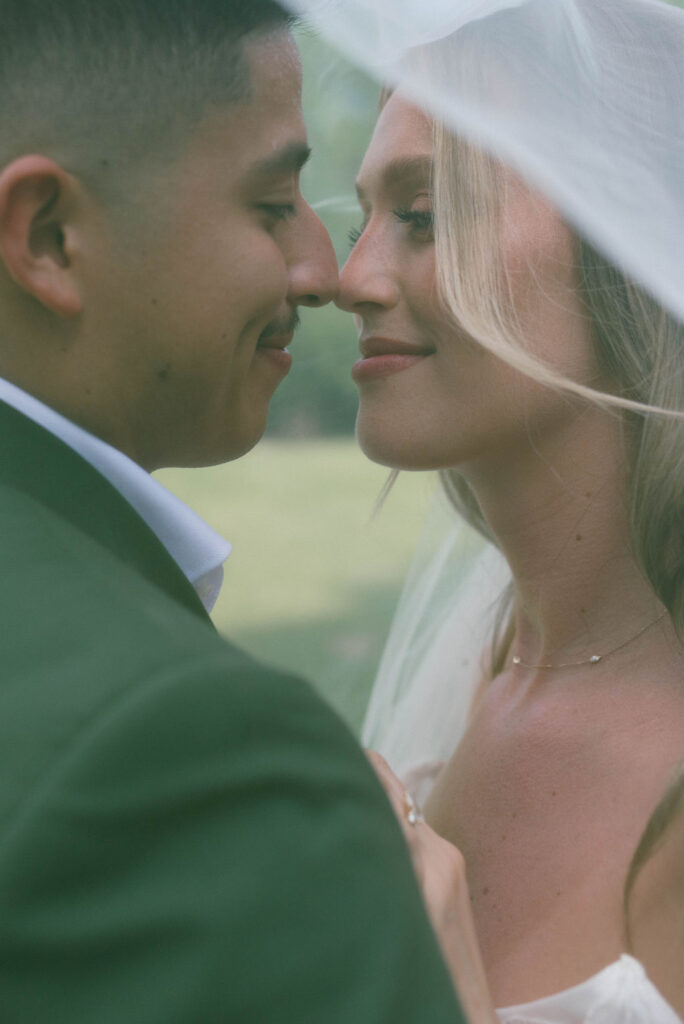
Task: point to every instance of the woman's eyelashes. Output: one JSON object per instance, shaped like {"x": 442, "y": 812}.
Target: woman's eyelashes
{"x": 420, "y": 224}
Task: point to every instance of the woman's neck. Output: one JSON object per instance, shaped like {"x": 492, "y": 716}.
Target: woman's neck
{"x": 560, "y": 510}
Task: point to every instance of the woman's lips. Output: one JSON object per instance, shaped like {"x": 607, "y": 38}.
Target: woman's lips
{"x": 381, "y": 357}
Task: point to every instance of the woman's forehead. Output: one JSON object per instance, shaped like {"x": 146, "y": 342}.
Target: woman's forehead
{"x": 400, "y": 149}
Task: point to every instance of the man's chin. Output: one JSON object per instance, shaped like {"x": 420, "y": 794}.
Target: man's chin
{"x": 235, "y": 449}
{"x": 223, "y": 449}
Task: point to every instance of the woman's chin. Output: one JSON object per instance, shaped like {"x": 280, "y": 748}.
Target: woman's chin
{"x": 396, "y": 451}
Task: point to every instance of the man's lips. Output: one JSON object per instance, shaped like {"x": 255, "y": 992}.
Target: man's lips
{"x": 381, "y": 357}
{"x": 280, "y": 341}
{"x": 272, "y": 350}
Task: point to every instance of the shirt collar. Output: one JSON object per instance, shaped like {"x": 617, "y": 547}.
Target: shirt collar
{"x": 193, "y": 544}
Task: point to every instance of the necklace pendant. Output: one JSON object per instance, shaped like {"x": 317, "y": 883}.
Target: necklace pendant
{"x": 595, "y": 658}
{"x": 516, "y": 660}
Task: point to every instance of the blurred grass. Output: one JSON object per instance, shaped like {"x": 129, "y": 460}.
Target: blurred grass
{"x": 312, "y": 582}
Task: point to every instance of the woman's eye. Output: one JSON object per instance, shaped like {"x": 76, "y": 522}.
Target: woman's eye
{"x": 420, "y": 222}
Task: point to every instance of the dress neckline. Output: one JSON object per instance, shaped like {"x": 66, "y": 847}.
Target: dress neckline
{"x": 623, "y": 983}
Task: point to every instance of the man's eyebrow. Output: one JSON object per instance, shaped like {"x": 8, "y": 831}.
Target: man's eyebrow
{"x": 400, "y": 171}
{"x": 288, "y": 160}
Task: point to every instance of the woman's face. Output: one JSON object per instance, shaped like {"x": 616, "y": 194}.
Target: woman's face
{"x": 431, "y": 397}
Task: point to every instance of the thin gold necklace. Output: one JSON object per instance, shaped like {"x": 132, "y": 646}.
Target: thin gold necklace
{"x": 595, "y": 658}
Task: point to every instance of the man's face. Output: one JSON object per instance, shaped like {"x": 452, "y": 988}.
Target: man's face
{"x": 201, "y": 305}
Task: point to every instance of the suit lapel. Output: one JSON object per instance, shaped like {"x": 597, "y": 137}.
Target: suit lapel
{"x": 35, "y": 462}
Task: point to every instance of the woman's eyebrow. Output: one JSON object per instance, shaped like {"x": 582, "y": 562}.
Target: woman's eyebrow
{"x": 401, "y": 171}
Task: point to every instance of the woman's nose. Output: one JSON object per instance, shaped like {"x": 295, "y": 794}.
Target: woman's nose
{"x": 366, "y": 279}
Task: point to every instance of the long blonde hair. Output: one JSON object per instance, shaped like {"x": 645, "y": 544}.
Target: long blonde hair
{"x": 635, "y": 339}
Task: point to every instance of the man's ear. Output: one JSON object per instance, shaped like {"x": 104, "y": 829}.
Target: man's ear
{"x": 35, "y": 233}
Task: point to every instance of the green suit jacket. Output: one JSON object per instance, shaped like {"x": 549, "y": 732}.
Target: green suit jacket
{"x": 185, "y": 835}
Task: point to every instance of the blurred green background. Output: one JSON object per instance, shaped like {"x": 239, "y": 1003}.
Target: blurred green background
{"x": 313, "y": 579}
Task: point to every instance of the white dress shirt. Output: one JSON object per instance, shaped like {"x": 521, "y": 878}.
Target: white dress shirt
{"x": 193, "y": 544}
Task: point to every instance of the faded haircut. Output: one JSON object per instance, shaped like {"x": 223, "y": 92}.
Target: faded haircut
{"x": 104, "y": 85}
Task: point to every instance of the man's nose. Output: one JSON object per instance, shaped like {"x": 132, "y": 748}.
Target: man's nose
{"x": 314, "y": 277}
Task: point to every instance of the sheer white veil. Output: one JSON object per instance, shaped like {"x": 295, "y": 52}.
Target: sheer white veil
{"x": 433, "y": 659}
{"x": 585, "y": 100}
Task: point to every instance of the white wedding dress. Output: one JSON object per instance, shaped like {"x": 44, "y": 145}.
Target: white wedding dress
{"x": 619, "y": 994}
{"x": 416, "y": 717}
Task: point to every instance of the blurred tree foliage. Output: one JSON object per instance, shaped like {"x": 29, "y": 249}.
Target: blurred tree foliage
{"x": 340, "y": 106}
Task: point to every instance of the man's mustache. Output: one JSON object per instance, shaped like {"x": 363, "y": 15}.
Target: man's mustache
{"x": 286, "y": 325}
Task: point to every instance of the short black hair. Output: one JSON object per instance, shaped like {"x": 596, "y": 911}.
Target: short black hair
{"x": 97, "y": 82}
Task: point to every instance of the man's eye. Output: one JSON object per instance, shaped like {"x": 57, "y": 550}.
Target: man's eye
{"x": 278, "y": 211}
